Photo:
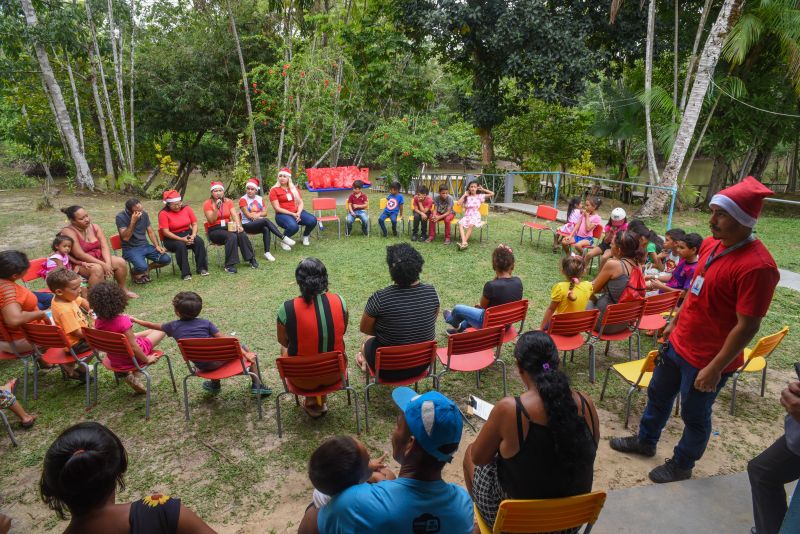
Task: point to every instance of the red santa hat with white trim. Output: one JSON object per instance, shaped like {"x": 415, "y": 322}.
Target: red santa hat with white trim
{"x": 743, "y": 201}
{"x": 285, "y": 171}
{"x": 170, "y": 196}
{"x": 217, "y": 185}
{"x": 255, "y": 182}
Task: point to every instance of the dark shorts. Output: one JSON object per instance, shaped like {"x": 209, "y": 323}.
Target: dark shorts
{"x": 81, "y": 347}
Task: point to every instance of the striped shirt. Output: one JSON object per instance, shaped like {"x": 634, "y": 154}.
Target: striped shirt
{"x": 404, "y": 315}
{"x": 316, "y": 327}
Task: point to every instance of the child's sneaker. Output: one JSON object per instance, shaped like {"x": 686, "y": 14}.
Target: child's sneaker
{"x": 394, "y": 232}
{"x": 305, "y": 241}
{"x": 429, "y": 240}
{"x": 286, "y": 247}
{"x": 212, "y": 386}
{"x": 288, "y": 241}
{"x": 269, "y": 256}
{"x": 261, "y": 390}
{"x": 136, "y": 381}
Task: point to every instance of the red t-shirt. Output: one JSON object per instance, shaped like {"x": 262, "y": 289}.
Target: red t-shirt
{"x": 176, "y": 221}
{"x": 223, "y": 214}
{"x": 740, "y": 282}
{"x": 286, "y": 199}
{"x": 358, "y": 200}
{"x": 424, "y": 206}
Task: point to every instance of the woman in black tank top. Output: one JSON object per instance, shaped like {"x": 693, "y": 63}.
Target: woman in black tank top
{"x": 540, "y": 445}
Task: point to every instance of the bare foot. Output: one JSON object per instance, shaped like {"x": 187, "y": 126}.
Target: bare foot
{"x": 361, "y": 362}
{"x": 131, "y": 294}
{"x": 27, "y": 422}
{"x": 11, "y": 385}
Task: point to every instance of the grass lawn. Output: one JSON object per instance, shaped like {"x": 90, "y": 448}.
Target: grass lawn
{"x": 231, "y": 467}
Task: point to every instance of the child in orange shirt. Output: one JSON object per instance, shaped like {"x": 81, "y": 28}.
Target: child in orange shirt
{"x": 70, "y": 311}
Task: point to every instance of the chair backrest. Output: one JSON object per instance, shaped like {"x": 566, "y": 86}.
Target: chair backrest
{"x": 597, "y": 231}
{"x": 102, "y": 341}
{"x": 573, "y": 323}
{"x": 382, "y": 203}
{"x": 116, "y": 242}
{"x": 548, "y": 213}
{"x": 664, "y": 302}
{"x": 400, "y": 357}
{"x": 483, "y": 209}
{"x": 475, "y": 340}
{"x": 325, "y": 203}
{"x": 767, "y": 344}
{"x": 46, "y": 336}
{"x": 548, "y": 515}
{"x": 457, "y": 208}
{"x": 505, "y": 314}
{"x": 217, "y": 349}
{"x": 311, "y": 367}
{"x": 624, "y": 312}
{"x": 34, "y": 269}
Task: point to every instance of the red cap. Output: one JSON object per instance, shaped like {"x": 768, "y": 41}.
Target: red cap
{"x": 285, "y": 170}
{"x": 743, "y": 201}
{"x": 217, "y": 185}
{"x": 254, "y": 181}
{"x": 170, "y": 195}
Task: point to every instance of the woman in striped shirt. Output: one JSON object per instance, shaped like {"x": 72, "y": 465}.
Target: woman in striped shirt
{"x": 313, "y": 323}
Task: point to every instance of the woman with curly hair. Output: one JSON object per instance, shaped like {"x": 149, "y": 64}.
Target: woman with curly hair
{"x": 401, "y": 314}
{"x": 313, "y": 323}
{"x": 539, "y": 445}
{"x": 82, "y": 471}
{"x": 108, "y": 301}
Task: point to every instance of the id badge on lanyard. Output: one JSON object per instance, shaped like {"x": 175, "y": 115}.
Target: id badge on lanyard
{"x": 697, "y": 285}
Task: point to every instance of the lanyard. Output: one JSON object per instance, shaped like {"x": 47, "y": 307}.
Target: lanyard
{"x": 713, "y": 256}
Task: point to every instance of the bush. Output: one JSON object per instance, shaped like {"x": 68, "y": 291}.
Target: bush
{"x": 16, "y": 180}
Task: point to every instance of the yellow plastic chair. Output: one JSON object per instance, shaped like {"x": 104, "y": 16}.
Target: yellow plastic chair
{"x": 484, "y": 212}
{"x": 636, "y": 374}
{"x": 545, "y": 515}
{"x": 755, "y": 360}
{"x": 382, "y": 206}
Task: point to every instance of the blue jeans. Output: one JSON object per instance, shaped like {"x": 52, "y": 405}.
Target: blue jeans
{"x": 464, "y": 316}
{"x": 671, "y": 376}
{"x": 361, "y": 215}
{"x": 291, "y": 226}
{"x": 138, "y": 256}
{"x": 386, "y": 215}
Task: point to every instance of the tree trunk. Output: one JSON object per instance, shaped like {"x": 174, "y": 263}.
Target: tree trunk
{"x": 693, "y": 58}
{"x": 287, "y": 57}
{"x": 487, "y": 146}
{"x": 698, "y": 143}
{"x": 77, "y": 102}
{"x": 675, "y": 63}
{"x": 719, "y": 174}
{"x": 115, "y": 56}
{"x": 151, "y": 178}
{"x": 133, "y": 64}
{"x": 652, "y": 165}
{"x": 183, "y": 180}
{"x": 83, "y": 175}
{"x": 705, "y": 70}
{"x": 760, "y": 161}
{"x": 101, "y": 118}
{"x": 64, "y": 145}
{"x": 793, "y": 168}
{"x": 250, "y": 122}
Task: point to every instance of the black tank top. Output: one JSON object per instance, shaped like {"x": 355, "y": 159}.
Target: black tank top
{"x": 534, "y": 472}
{"x": 155, "y": 514}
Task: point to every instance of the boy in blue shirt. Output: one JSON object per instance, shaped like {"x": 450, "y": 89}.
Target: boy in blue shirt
{"x": 394, "y": 207}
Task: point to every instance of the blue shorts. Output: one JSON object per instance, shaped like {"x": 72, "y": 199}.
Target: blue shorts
{"x": 578, "y": 239}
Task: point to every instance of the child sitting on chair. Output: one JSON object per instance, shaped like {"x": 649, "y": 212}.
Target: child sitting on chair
{"x": 422, "y": 205}
{"x": 393, "y": 209}
{"x": 574, "y": 211}
{"x": 188, "y": 305}
{"x": 582, "y": 236}
{"x": 70, "y": 311}
{"x": 341, "y": 462}
{"x": 108, "y": 301}
{"x": 357, "y": 206}
{"x": 442, "y": 211}
{"x": 570, "y": 296}
{"x": 618, "y": 222}
{"x": 680, "y": 279}
{"x": 503, "y": 289}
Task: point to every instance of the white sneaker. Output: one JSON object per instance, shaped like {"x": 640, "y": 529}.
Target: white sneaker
{"x": 269, "y": 256}
{"x": 289, "y": 241}
{"x": 305, "y": 241}
{"x": 284, "y": 246}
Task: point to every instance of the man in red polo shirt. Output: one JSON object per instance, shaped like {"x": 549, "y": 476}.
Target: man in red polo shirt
{"x": 730, "y": 294}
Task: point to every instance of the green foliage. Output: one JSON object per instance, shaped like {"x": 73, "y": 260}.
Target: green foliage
{"x": 241, "y": 169}
{"x": 16, "y": 180}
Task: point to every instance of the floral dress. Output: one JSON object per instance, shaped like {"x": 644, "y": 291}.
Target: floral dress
{"x": 574, "y": 218}
{"x": 472, "y": 215}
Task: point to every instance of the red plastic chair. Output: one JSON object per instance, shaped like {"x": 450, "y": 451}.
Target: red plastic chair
{"x": 655, "y": 309}
{"x": 116, "y": 246}
{"x": 326, "y": 204}
{"x": 571, "y": 331}
{"x": 292, "y": 368}
{"x": 506, "y": 315}
{"x": 544, "y": 213}
{"x": 27, "y": 358}
{"x": 472, "y": 351}
{"x": 102, "y": 341}
{"x": 628, "y": 313}
{"x": 217, "y": 349}
{"x": 53, "y": 348}
{"x": 399, "y": 358}
{"x": 33, "y": 274}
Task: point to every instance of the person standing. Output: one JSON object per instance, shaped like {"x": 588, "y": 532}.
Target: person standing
{"x": 133, "y": 225}
{"x": 224, "y": 227}
{"x": 731, "y": 292}
{"x": 775, "y": 467}
{"x": 178, "y": 226}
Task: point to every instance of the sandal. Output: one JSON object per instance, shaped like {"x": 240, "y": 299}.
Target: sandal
{"x": 315, "y": 411}
{"x": 140, "y": 280}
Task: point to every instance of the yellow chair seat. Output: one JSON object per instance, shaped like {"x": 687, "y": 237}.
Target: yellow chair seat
{"x": 484, "y": 528}
{"x": 630, "y": 371}
{"x": 756, "y": 364}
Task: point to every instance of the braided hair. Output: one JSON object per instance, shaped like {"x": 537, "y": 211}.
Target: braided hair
{"x": 573, "y": 268}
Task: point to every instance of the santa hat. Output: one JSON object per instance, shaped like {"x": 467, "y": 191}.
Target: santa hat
{"x": 217, "y": 185}
{"x": 743, "y": 201}
{"x": 286, "y": 171}
{"x": 170, "y": 195}
{"x": 255, "y": 182}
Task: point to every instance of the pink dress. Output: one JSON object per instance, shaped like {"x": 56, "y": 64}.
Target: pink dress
{"x": 573, "y": 219}
{"x": 472, "y": 215}
{"x": 51, "y": 265}
{"x": 121, "y": 324}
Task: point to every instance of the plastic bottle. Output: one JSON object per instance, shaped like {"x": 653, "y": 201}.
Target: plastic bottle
{"x": 49, "y": 315}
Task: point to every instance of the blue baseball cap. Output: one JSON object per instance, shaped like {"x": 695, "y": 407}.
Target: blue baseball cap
{"x": 434, "y": 420}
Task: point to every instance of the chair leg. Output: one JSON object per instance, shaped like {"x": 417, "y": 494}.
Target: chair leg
{"x": 572, "y": 357}
{"x": 258, "y": 395}
{"x": 628, "y": 404}
{"x": 278, "y": 411}
{"x": 605, "y": 383}
{"x": 503, "y": 367}
{"x": 521, "y": 233}
{"x": 763, "y": 379}
{"x": 366, "y": 405}
{"x": 733, "y": 393}
{"x": 25, "y": 364}
{"x": 96, "y": 380}
{"x": 35, "y": 379}
{"x": 171, "y": 375}
{"x": 186, "y": 397}
{"x": 147, "y": 396}
{"x": 591, "y": 363}
{"x": 88, "y": 384}
{"x": 8, "y": 429}
{"x": 477, "y": 379}
{"x": 606, "y": 352}
{"x": 355, "y": 405}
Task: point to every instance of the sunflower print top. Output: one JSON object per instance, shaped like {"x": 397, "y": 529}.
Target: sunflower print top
{"x": 155, "y": 514}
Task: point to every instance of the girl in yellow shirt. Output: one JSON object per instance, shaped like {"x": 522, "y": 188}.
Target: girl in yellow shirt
{"x": 569, "y": 296}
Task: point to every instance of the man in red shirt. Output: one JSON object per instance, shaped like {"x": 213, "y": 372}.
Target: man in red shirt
{"x": 730, "y": 294}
